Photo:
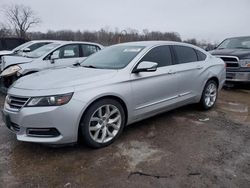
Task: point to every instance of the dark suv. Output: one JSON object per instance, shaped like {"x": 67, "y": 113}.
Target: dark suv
{"x": 236, "y": 54}
{"x": 10, "y": 43}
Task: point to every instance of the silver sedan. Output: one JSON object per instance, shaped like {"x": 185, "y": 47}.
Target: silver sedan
{"x": 117, "y": 86}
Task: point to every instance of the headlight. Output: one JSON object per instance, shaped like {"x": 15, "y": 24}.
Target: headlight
{"x": 245, "y": 63}
{"x": 56, "y": 100}
{"x": 11, "y": 70}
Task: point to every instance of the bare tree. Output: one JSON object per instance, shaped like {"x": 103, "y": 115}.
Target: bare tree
{"x": 21, "y": 18}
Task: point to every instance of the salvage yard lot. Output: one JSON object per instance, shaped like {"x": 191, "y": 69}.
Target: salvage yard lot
{"x": 182, "y": 148}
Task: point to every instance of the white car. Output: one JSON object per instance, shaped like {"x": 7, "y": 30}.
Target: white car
{"x": 53, "y": 55}
{"x": 25, "y": 48}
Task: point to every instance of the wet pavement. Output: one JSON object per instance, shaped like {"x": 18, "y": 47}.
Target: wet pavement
{"x": 182, "y": 148}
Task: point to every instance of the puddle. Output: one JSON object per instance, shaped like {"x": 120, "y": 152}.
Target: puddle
{"x": 235, "y": 111}
{"x": 137, "y": 152}
{"x": 191, "y": 119}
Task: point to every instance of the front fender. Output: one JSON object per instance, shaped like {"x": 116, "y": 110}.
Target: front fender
{"x": 25, "y": 69}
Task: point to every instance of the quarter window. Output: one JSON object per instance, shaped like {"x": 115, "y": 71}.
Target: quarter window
{"x": 185, "y": 54}
{"x": 160, "y": 55}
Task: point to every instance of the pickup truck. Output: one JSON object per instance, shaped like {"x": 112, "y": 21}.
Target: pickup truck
{"x": 236, "y": 54}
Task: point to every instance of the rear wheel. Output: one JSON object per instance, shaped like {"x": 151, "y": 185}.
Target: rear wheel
{"x": 209, "y": 95}
{"x": 102, "y": 123}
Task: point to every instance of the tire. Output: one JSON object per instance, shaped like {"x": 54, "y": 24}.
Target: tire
{"x": 209, "y": 95}
{"x": 102, "y": 123}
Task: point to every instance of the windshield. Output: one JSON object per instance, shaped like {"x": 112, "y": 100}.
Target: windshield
{"x": 22, "y": 46}
{"x": 242, "y": 42}
{"x": 42, "y": 50}
{"x": 114, "y": 57}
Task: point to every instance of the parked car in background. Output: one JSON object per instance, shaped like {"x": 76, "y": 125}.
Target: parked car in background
{"x": 23, "y": 49}
{"x": 10, "y": 43}
{"x": 117, "y": 86}
{"x": 56, "y": 54}
{"x": 236, "y": 54}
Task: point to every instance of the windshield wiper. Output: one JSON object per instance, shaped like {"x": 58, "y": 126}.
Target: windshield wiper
{"x": 242, "y": 47}
{"x": 90, "y": 66}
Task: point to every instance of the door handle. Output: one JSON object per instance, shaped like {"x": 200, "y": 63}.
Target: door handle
{"x": 171, "y": 72}
{"x": 199, "y": 67}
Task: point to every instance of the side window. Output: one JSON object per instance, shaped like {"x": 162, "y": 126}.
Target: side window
{"x": 87, "y": 50}
{"x": 185, "y": 54}
{"x": 55, "y": 54}
{"x": 37, "y": 45}
{"x": 201, "y": 56}
{"x": 68, "y": 51}
{"x": 160, "y": 55}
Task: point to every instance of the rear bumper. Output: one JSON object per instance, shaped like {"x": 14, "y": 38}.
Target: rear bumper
{"x": 238, "y": 75}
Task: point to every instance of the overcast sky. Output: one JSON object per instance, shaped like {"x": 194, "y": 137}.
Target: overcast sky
{"x": 211, "y": 20}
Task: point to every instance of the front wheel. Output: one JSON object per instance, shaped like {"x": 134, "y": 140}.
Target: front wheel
{"x": 209, "y": 95}
{"x": 102, "y": 123}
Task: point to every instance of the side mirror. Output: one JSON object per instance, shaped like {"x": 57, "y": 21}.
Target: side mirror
{"x": 210, "y": 48}
{"x": 146, "y": 66}
{"x": 26, "y": 50}
{"x": 53, "y": 57}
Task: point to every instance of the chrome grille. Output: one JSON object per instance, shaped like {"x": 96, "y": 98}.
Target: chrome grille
{"x": 16, "y": 103}
{"x": 231, "y": 61}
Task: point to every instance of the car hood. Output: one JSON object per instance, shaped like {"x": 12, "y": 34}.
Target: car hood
{"x": 240, "y": 53}
{"x": 63, "y": 77}
{"x": 5, "y": 52}
{"x": 13, "y": 60}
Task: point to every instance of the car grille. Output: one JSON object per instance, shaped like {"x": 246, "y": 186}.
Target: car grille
{"x": 231, "y": 61}
{"x": 16, "y": 103}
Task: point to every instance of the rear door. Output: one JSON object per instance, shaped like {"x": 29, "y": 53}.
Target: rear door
{"x": 189, "y": 65}
{"x": 153, "y": 91}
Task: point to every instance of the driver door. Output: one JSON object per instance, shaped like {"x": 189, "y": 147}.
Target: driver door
{"x": 65, "y": 56}
{"x": 156, "y": 90}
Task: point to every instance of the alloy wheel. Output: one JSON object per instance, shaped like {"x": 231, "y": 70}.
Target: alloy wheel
{"x": 105, "y": 123}
{"x": 210, "y": 94}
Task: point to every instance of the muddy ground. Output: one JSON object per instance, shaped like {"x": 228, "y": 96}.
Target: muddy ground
{"x": 182, "y": 148}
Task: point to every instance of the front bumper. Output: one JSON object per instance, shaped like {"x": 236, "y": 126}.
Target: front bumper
{"x": 238, "y": 75}
{"x": 63, "y": 120}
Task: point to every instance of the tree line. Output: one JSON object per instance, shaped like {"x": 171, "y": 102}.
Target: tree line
{"x": 19, "y": 19}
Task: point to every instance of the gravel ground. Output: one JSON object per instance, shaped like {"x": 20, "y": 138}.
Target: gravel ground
{"x": 182, "y": 148}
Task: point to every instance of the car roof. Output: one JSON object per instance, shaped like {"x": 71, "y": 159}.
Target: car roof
{"x": 149, "y": 44}
{"x": 37, "y": 41}
{"x": 62, "y": 42}
{"x": 76, "y": 42}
